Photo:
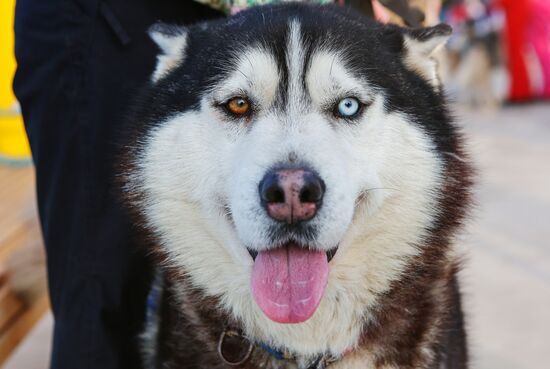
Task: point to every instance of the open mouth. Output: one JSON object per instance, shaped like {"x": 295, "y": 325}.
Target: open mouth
{"x": 330, "y": 253}
{"x": 288, "y": 282}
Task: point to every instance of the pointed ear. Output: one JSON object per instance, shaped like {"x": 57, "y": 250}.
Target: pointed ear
{"x": 172, "y": 41}
{"x": 420, "y": 45}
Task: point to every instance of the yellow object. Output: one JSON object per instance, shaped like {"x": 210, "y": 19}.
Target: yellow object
{"x": 13, "y": 140}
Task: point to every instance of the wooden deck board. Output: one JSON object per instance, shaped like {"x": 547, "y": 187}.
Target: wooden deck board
{"x": 19, "y": 229}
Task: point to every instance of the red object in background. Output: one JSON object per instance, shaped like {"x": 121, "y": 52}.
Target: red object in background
{"x": 539, "y": 37}
{"x": 527, "y": 32}
{"x": 517, "y": 15}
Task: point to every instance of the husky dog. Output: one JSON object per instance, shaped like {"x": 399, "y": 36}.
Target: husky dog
{"x": 301, "y": 181}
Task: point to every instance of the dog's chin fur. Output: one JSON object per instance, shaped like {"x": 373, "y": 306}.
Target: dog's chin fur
{"x": 397, "y": 185}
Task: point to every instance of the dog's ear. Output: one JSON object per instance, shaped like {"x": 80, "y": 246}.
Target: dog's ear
{"x": 419, "y": 47}
{"x": 172, "y": 41}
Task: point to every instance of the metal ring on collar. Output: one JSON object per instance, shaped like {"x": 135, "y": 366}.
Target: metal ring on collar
{"x": 232, "y": 333}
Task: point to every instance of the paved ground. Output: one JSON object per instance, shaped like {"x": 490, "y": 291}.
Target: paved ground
{"x": 507, "y": 278}
{"x": 506, "y": 281}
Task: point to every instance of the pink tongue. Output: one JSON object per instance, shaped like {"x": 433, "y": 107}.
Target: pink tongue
{"x": 288, "y": 282}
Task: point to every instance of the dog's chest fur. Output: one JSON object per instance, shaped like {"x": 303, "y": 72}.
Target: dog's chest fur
{"x": 420, "y": 328}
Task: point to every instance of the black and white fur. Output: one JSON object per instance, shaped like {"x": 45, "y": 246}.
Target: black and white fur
{"x": 397, "y": 186}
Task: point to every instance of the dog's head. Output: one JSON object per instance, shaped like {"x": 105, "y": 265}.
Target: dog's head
{"x": 290, "y": 160}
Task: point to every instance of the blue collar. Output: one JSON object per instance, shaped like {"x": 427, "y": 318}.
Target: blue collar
{"x": 319, "y": 362}
{"x": 277, "y": 354}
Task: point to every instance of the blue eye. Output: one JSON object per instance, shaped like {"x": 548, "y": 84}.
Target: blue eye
{"x": 348, "y": 107}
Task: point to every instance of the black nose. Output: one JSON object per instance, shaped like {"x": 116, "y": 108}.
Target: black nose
{"x": 291, "y": 195}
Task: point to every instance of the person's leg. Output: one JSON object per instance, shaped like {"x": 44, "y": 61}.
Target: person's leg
{"x": 79, "y": 63}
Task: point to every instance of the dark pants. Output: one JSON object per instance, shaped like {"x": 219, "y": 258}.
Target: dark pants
{"x": 80, "y": 63}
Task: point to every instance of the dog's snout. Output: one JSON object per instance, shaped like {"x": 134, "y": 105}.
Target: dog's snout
{"x": 292, "y": 195}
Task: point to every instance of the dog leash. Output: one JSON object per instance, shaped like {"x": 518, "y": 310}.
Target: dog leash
{"x": 232, "y": 337}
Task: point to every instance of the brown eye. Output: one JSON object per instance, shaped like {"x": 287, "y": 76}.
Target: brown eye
{"x": 238, "y": 106}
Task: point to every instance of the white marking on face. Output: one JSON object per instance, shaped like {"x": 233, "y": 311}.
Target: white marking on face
{"x": 256, "y": 76}
{"x": 295, "y": 62}
{"x": 328, "y": 78}
{"x": 381, "y": 174}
